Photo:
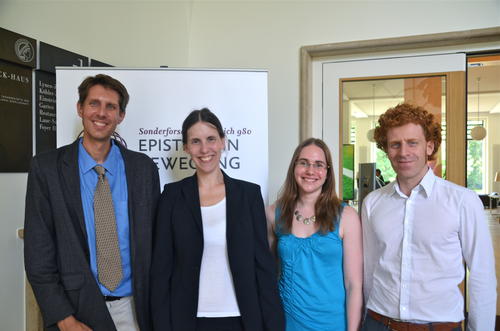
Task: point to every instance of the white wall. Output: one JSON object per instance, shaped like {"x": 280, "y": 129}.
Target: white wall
{"x": 120, "y": 33}
{"x": 268, "y": 35}
{"x": 12, "y": 191}
{"x": 230, "y": 34}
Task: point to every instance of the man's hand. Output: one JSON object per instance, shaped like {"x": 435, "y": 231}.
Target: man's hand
{"x": 70, "y": 323}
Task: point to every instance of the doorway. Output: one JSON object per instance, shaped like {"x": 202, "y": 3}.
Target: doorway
{"x": 312, "y": 117}
{"x": 355, "y": 93}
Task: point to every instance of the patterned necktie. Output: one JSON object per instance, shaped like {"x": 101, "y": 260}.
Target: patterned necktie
{"x": 109, "y": 262}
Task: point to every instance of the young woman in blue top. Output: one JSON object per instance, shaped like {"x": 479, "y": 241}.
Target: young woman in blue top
{"x": 319, "y": 246}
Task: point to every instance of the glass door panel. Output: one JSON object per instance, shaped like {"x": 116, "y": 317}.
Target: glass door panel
{"x": 363, "y": 101}
{"x": 483, "y": 121}
{"x": 483, "y": 152}
{"x": 436, "y": 82}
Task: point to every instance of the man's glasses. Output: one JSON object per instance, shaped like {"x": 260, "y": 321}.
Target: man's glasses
{"x": 315, "y": 165}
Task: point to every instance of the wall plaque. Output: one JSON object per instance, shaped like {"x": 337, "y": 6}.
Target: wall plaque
{"x": 15, "y": 117}
{"x": 52, "y": 57}
{"x": 45, "y": 111}
{"x": 16, "y": 48}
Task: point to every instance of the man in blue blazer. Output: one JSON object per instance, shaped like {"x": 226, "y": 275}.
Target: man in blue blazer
{"x": 61, "y": 255}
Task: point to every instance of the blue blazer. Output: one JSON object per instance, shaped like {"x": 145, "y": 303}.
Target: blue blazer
{"x": 178, "y": 250}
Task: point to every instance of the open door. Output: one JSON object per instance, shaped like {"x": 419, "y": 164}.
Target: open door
{"x": 355, "y": 93}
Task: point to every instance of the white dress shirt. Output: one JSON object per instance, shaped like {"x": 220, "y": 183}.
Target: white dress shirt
{"x": 414, "y": 248}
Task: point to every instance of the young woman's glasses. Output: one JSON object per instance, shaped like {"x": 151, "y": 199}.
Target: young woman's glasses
{"x": 315, "y": 165}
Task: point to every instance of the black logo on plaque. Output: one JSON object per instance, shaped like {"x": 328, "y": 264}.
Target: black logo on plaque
{"x": 24, "y": 50}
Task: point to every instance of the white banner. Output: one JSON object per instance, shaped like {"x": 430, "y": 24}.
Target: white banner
{"x": 160, "y": 99}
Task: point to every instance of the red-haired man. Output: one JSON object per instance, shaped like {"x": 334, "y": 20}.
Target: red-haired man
{"x": 417, "y": 232}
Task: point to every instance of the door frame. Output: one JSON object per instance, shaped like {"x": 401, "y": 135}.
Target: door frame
{"x": 456, "y": 96}
{"x": 482, "y": 39}
{"x": 477, "y": 41}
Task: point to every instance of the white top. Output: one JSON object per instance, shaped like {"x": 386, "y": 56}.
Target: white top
{"x": 414, "y": 249}
{"x": 216, "y": 291}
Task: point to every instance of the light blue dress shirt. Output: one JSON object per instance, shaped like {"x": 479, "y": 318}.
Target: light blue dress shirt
{"x": 115, "y": 173}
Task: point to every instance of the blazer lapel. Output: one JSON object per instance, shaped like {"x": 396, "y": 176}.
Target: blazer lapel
{"x": 131, "y": 175}
{"x": 70, "y": 175}
{"x": 233, "y": 206}
{"x": 192, "y": 198}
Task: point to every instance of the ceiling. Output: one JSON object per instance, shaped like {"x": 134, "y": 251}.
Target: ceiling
{"x": 373, "y": 97}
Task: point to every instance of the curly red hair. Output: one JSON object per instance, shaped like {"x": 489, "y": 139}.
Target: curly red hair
{"x": 405, "y": 113}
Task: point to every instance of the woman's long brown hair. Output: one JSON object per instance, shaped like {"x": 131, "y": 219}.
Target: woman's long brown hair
{"x": 327, "y": 204}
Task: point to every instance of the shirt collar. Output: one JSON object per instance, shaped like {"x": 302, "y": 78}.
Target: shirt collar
{"x": 426, "y": 184}
{"x": 428, "y": 181}
{"x": 87, "y": 163}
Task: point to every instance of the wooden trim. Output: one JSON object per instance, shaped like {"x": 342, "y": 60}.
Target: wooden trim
{"x": 310, "y": 53}
{"x": 33, "y": 316}
{"x": 34, "y": 321}
{"x": 355, "y": 79}
{"x": 483, "y": 58}
{"x": 401, "y": 43}
{"x": 305, "y": 124}
{"x": 456, "y": 127}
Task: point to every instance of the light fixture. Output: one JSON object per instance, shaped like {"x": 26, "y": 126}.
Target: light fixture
{"x": 478, "y": 132}
{"x": 497, "y": 176}
{"x": 371, "y": 133}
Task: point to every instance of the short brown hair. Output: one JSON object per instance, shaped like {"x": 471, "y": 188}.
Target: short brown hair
{"x": 403, "y": 114}
{"x": 106, "y": 82}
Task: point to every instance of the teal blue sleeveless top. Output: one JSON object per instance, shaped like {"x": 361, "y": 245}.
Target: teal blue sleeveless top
{"x": 311, "y": 280}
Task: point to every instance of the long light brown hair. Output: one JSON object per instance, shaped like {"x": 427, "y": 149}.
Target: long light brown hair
{"x": 327, "y": 204}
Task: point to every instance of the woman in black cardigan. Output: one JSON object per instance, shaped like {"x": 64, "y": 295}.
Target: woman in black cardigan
{"x": 212, "y": 269}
